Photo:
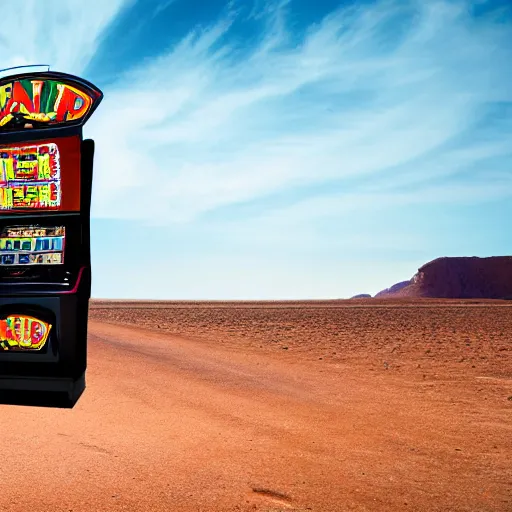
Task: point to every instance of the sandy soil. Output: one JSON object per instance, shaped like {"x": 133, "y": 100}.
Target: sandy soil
{"x": 327, "y": 406}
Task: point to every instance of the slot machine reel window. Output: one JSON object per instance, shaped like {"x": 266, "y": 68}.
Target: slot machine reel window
{"x": 32, "y": 245}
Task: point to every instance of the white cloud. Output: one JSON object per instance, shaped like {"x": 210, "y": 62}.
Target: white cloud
{"x": 210, "y": 130}
{"x": 63, "y": 34}
{"x": 349, "y": 223}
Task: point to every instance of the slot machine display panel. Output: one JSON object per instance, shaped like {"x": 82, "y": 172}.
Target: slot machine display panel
{"x": 32, "y": 179}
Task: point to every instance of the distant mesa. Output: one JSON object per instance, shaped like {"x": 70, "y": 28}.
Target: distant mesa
{"x": 362, "y": 296}
{"x": 458, "y": 278}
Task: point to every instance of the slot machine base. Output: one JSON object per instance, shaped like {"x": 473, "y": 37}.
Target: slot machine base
{"x": 41, "y": 391}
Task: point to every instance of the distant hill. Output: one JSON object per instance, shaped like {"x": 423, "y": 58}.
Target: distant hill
{"x": 394, "y": 289}
{"x": 458, "y": 278}
{"x": 362, "y": 296}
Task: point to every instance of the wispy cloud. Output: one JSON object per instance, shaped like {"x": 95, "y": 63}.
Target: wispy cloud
{"x": 64, "y": 35}
{"x": 383, "y": 91}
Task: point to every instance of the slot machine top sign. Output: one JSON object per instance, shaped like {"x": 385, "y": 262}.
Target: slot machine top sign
{"x": 45, "y": 100}
{"x": 41, "y": 119}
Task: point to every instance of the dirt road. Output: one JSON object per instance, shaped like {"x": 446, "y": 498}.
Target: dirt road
{"x": 174, "y": 424}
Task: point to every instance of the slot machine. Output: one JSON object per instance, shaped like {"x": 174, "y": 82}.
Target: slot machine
{"x": 45, "y": 265}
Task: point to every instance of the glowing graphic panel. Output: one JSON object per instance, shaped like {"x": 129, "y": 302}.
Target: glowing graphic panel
{"x": 30, "y": 177}
{"x": 23, "y": 333}
{"x": 32, "y": 245}
{"x": 41, "y": 102}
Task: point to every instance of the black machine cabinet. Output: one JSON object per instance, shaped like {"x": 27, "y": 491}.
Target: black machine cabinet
{"x": 46, "y": 173}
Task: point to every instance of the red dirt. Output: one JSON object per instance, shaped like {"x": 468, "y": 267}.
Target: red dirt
{"x": 381, "y": 407}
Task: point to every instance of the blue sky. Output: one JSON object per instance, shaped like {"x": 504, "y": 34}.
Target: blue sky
{"x": 285, "y": 149}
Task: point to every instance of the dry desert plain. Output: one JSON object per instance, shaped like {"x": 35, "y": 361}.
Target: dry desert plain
{"x": 380, "y": 405}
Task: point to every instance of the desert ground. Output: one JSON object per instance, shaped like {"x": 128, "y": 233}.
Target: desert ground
{"x": 285, "y": 406}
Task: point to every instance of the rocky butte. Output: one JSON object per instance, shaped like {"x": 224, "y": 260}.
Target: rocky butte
{"x": 458, "y": 278}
